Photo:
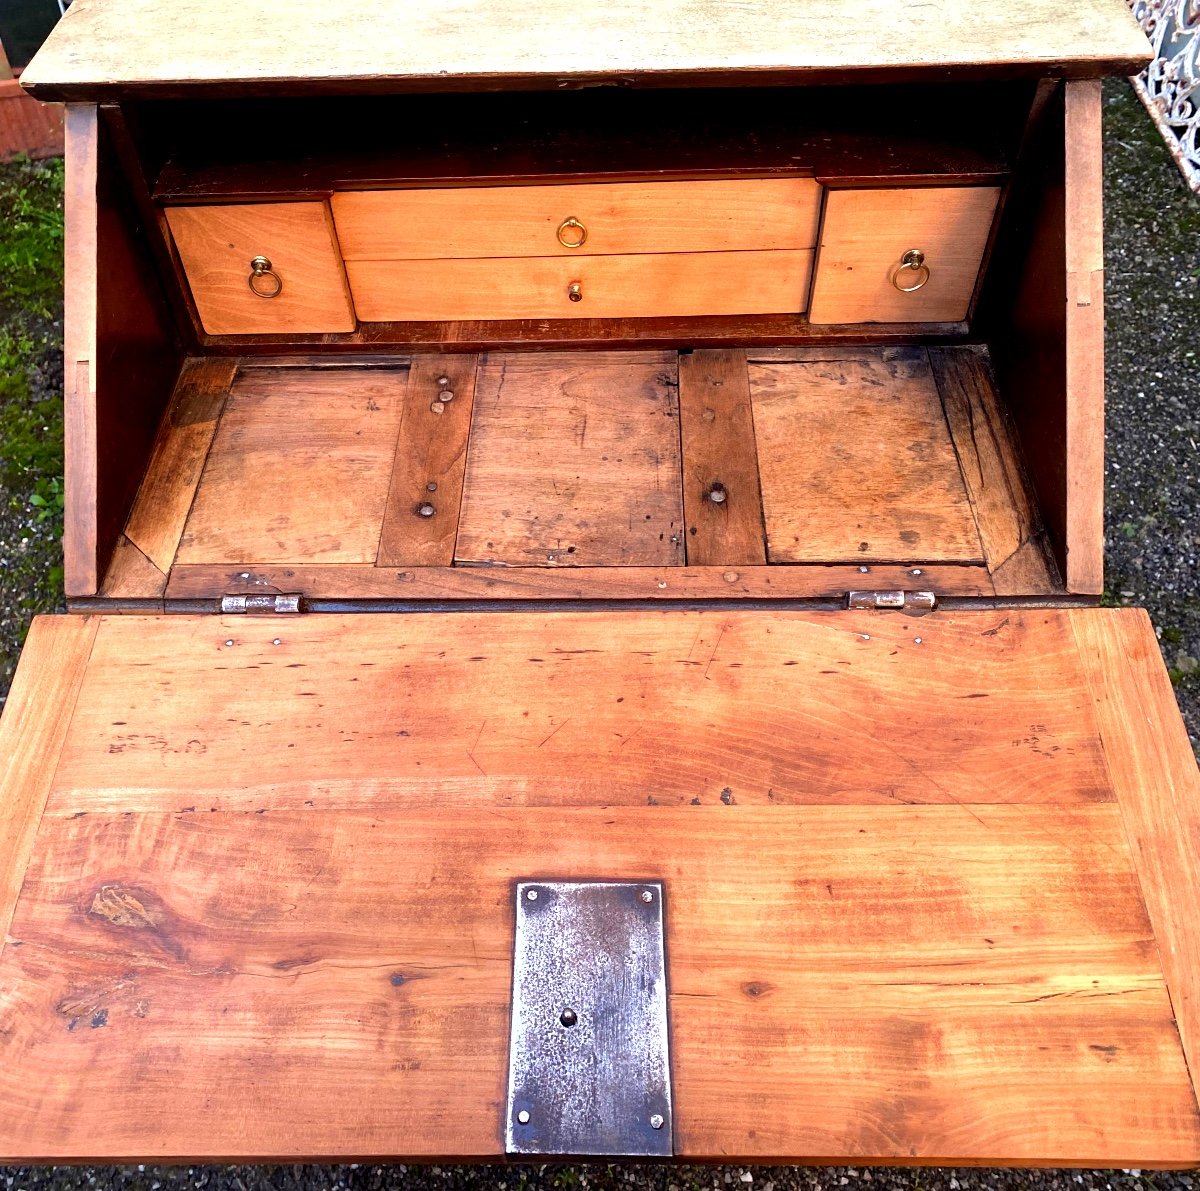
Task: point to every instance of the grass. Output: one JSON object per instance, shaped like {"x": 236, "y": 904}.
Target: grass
{"x": 31, "y": 417}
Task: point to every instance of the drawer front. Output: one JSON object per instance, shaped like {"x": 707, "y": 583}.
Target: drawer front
{"x": 301, "y": 288}
{"x": 643, "y": 286}
{"x": 861, "y": 271}
{"x": 594, "y": 219}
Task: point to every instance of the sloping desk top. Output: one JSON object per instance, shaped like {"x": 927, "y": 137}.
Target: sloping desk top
{"x": 931, "y": 885}
{"x": 187, "y": 46}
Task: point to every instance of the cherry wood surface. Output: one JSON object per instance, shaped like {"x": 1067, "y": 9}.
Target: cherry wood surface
{"x": 268, "y": 909}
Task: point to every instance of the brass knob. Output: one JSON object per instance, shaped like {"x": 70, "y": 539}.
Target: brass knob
{"x": 260, "y": 272}
{"x": 575, "y": 291}
{"x": 572, "y": 233}
{"x": 914, "y": 261}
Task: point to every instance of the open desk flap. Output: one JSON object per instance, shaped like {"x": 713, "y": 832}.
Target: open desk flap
{"x": 930, "y": 891}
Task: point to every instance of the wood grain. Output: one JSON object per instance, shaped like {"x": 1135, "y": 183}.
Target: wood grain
{"x": 298, "y": 470}
{"x": 121, "y": 353}
{"x": 619, "y": 218}
{"x": 675, "y": 284}
{"x": 131, "y": 575}
{"x": 814, "y": 581}
{"x": 574, "y": 461}
{"x": 1084, "y": 224}
{"x": 81, "y": 568}
{"x": 857, "y": 462}
{"x": 37, "y": 714}
{"x": 887, "y": 974}
{"x": 719, "y": 456}
{"x": 156, "y": 523}
{"x": 969, "y": 982}
{"x": 431, "y": 459}
{"x": 1004, "y": 509}
{"x": 1154, "y": 774}
{"x": 488, "y": 44}
{"x": 582, "y": 709}
{"x": 1031, "y": 571}
{"x": 217, "y": 243}
{"x": 864, "y": 235}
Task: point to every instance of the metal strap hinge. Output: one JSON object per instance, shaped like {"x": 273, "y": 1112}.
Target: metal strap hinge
{"x": 261, "y": 604}
{"x": 900, "y": 601}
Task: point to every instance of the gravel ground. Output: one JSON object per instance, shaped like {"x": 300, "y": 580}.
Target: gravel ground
{"x": 1153, "y": 534}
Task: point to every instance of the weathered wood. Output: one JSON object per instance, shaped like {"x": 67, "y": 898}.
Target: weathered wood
{"x": 719, "y": 457}
{"x": 131, "y": 575}
{"x": 574, "y": 461}
{"x": 431, "y": 459}
{"x": 865, "y": 234}
{"x": 81, "y": 568}
{"x": 970, "y": 981}
{"x": 616, "y": 218}
{"x": 121, "y": 356}
{"x": 1030, "y": 571}
{"x": 1154, "y": 775}
{"x": 182, "y": 48}
{"x": 582, "y": 709}
{"x": 1004, "y": 509}
{"x": 808, "y": 582}
{"x": 1084, "y": 226}
{"x": 643, "y": 285}
{"x": 856, "y": 462}
{"x": 37, "y": 714}
{"x": 156, "y": 523}
{"x": 218, "y": 243}
{"x": 298, "y": 470}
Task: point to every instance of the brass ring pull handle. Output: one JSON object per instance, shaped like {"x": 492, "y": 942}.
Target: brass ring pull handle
{"x": 263, "y": 280}
{"x": 572, "y": 233}
{"x": 914, "y": 261}
{"x": 575, "y": 291}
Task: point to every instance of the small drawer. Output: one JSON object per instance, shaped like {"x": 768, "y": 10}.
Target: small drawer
{"x": 898, "y": 256}
{"x": 643, "y": 286}
{"x": 297, "y": 284}
{"x": 595, "y": 219}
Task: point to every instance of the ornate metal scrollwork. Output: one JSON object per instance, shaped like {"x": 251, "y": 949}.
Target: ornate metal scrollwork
{"x": 1170, "y": 85}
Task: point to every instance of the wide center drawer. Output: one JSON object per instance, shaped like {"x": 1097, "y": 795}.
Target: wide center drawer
{"x": 596, "y": 218}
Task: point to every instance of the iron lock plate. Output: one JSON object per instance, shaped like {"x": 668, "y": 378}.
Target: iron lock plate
{"x": 589, "y": 1057}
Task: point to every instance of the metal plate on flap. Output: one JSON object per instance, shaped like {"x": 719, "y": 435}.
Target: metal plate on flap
{"x": 589, "y": 1063}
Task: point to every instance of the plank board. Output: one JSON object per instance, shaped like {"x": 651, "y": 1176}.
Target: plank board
{"x": 184, "y": 47}
{"x": 804, "y": 581}
{"x": 857, "y": 462}
{"x": 1004, "y": 508}
{"x": 969, "y": 981}
{"x": 720, "y": 458}
{"x": 298, "y": 470}
{"x": 431, "y": 459}
{"x": 160, "y": 511}
{"x": 574, "y": 461}
{"x": 1154, "y": 772}
{"x": 37, "y": 714}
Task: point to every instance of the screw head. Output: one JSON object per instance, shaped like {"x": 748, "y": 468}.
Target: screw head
{"x": 437, "y": 407}
{"x": 656, "y": 1121}
{"x": 523, "y": 1116}
{"x": 531, "y": 895}
{"x": 425, "y": 509}
{"x": 717, "y": 494}
{"x": 647, "y": 896}
{"x": 568, "y": 1017}
{"x": 443, "y": 381}
{"x": 277, "y": 641}
{"x": 229, "y": 643}
{"x": 446, "y": 395}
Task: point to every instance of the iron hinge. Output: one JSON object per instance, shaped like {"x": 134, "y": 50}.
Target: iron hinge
{"x": 912, "y": 602}
{"x": 279, "y": 605}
